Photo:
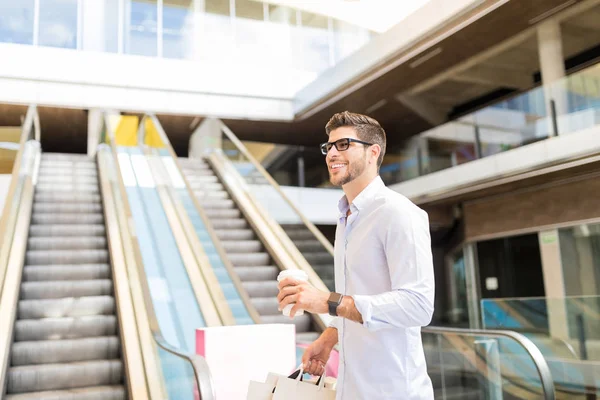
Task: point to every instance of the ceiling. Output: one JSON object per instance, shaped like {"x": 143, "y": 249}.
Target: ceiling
{"x": 493, "y": 56}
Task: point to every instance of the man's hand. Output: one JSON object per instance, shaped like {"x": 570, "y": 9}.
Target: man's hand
{"x": 316, "y": 355}
{"x": 306, "y": 297}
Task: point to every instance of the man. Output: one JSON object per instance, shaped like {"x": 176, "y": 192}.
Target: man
{"x": 383, "y": 271}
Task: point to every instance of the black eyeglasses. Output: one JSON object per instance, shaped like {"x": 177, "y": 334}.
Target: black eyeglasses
{"x": 341, "y": 145}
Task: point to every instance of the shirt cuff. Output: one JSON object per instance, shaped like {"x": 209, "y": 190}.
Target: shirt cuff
{"x": 364, "y": 307}
{"x": 335, "y": 323}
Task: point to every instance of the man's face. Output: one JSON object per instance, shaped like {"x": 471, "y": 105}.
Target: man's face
{"x": 345, "y": 166}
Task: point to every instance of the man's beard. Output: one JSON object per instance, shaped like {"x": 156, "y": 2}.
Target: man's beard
{"x": 354, "y": 170}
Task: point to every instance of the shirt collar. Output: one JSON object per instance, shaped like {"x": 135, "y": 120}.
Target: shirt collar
{"x": 363, "y": 197}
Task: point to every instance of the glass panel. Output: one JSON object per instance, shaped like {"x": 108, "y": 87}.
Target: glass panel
{"x": 217, "y": 39}
{"x": 58, "y": 23}
{"x": 173, "y": 298}
{"x": 311, "y": 42}
{"x": 347, "y": 39}
{"x": 232, "y": 296}
{"x": 101, "y": 25}
{"x": 178, "y": 23}
{"x": 566, "y": 330}
{"x": 272, "y": 202}
{"x": 399, "y": 166}
{"x": 580, "y": 256}
{"x": 251, "y": 31}
{"x": 459, "y": 311}
{"x": 278, "y": 41}
{"x": 480, "y": 367}
{"x": 16, "y": 21}
{"x": 510, "y": 267}
{"x": 141, "y": 27}
{"x": 178, "y": 376}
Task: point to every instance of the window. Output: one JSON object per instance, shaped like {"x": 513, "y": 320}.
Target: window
{"x": 16, "y": 21}
{"x": 58, "y": 23}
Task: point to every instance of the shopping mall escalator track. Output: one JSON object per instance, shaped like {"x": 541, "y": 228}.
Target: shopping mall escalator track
{"x": 66, "y": 339}
{"x": 251, "y": 261}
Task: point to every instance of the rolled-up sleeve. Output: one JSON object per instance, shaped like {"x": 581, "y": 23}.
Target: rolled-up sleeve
{"x": 407, "y": 246}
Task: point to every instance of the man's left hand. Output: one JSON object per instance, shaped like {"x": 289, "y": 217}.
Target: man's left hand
{"x": 306, "y": 297}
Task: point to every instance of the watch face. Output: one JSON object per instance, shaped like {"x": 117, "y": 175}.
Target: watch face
{"x": 335, "y": 298}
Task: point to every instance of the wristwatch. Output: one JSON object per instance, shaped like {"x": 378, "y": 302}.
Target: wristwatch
{"x": 335, "y": 299}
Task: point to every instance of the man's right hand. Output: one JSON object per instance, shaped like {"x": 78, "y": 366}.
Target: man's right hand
{"x": 316, "y": 355}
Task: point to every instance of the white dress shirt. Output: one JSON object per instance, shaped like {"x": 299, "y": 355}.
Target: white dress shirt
{"x": 383, "y": 260}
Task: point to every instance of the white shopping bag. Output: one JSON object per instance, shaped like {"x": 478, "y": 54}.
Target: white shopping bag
{"x": 263, "y": 390}
{"x": 295, "y": 389}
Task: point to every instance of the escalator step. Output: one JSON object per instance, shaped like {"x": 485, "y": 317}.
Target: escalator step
{"x": 88, "y": 393}
{"x": 69, "y": 307}
{"x": 66, "y": 272}
{"x": 242, "y": 246}
{"x": 67, "y": 208}
{"x": 302, "y": 322}
{"x": 65, "y": 328}
{"x": 61, "y": 171}
{"x": 66, "y": 243}
{"x": 60, "y": 197}
{"x": 63, "y": 187}
{"x": 235, "y": 234}
{"x": 257, "y": 273}
{"x": 65, "y": 157}
{"x": 249, "y": 259}
{"x": 223, "y": 213}
{"x": 216, "y": 203}
{"x": 60, "y": 289}
{"x": 32, "y": 378}
{"x": 67, "y": 230}
{"x": 65, "y": 350}
{"x": 208, "y": 195}
{"x": 203, "y": 180}
{"x": 54, "y": 257}
{"x": 237, "y": 223}
{"x": 266, "y": 305}
{"x": 66, "y": 219}
{"x": 319, "y": 258}
{"x": 306, "y": 246}
{"x": 261, "y": 288}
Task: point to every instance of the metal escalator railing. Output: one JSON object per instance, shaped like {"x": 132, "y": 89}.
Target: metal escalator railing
{"x": 470, "y": 363}
{"x": 244, "y": 268}
{"x": 175, "y": 373}
{"x": 299, "y": 236}
{"x": 205, "y": 263}
{"x": 30, "y": 131}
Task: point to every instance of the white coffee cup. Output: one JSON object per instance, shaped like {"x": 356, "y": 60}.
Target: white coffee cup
{"x": 297, "y": 275}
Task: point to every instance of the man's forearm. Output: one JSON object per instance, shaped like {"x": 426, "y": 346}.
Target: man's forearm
{"x": 347, "y": 309}
{"x": 330, "y": 336}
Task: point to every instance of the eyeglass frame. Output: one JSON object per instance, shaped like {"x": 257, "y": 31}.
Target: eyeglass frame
{"x": 325, "y": 151}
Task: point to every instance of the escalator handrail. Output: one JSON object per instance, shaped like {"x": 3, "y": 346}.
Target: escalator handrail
{"x": 240, "y": 146}
{"x": 206, "y": 221}
{"x": 29, "y": 130}
{"x": 9, "y": 298}
{"x": 536, "y": 355}
{"x": 202, "y": 373}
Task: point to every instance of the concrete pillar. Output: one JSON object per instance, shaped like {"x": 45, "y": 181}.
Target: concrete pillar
{"x": 94, "y": 130}
{"x": 552, "y": 66}
{"x": 472, "y": 282}
{"x": 554, "y": 283}
{"x": 206, "y": 138}
{"x": 100, "y": 26}
{"x": 194, "y": 46}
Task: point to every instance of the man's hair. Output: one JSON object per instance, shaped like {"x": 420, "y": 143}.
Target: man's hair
{"x": 367, "y": 129}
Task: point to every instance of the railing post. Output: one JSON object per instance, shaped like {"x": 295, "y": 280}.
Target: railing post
{"x": 301, "y": 172}
{"x": 490, "y": 359}
{"x": 581, "y": 337}
{"x": 554, "y": 119}
{"x": 477, "y": 142}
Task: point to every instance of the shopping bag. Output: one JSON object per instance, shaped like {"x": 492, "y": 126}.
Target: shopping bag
{"x": 294, "y": 388}
{"x": 264, "y": 390}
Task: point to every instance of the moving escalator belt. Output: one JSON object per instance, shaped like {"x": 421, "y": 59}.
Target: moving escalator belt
{"x": 66, "y": 340}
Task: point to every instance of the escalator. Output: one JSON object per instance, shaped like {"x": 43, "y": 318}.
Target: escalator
{"x": 251, "y": 261}
{"x": 66, "y": 339}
